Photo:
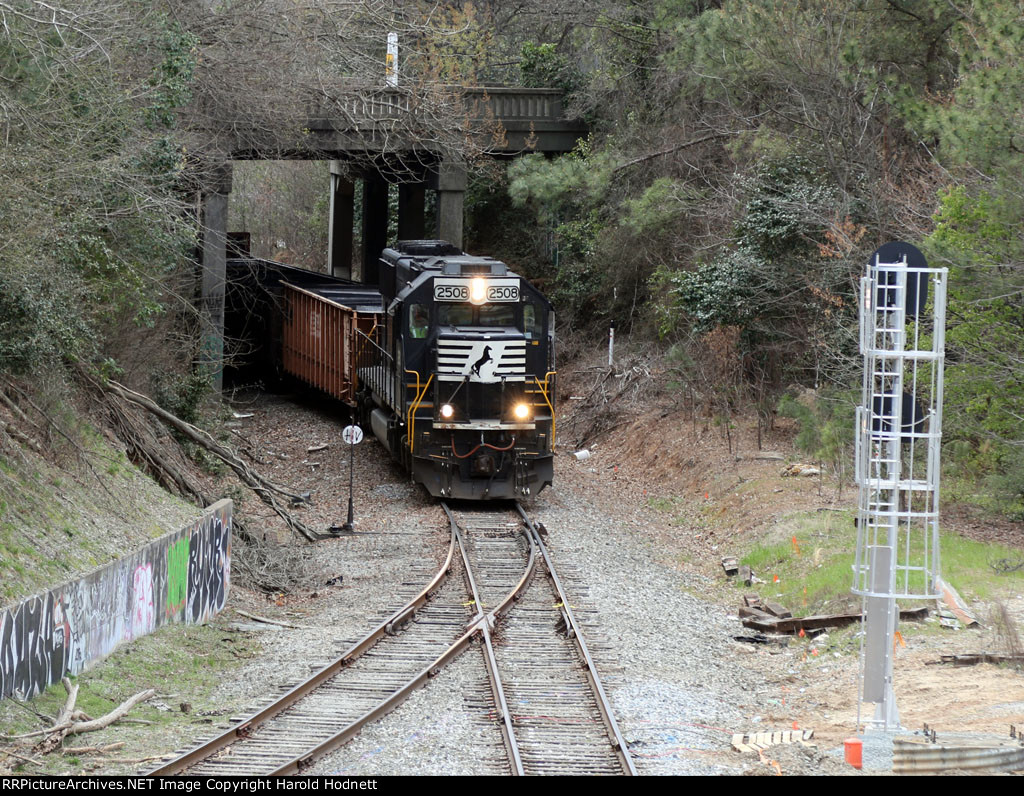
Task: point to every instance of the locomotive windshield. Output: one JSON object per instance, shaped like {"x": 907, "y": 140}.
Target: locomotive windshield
{"x": 468, "y": 315}
{"x": 497, "y": 315}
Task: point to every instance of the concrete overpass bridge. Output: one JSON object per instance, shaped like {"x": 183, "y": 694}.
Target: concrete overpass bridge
{"x": 382, "y": 137}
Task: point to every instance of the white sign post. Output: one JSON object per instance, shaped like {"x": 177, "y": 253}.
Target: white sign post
{"x": 391, "y": 61}
{"x": 352, "y": 435}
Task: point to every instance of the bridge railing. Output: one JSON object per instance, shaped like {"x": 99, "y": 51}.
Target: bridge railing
{"x": 484, "y": 103}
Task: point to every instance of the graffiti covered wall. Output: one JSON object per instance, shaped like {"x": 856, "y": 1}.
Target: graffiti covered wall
{"x": 181, "y": 577}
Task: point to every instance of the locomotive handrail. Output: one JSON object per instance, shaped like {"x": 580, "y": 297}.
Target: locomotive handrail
{"x": 544, "y": 391}
{"x": 388, "y": 360}
{"x": 416, "y": 405}
{"x": 359, "y": 351}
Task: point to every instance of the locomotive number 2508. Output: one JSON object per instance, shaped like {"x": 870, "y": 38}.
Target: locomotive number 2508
{"x": 503, "y": 293}
{"x": 460, "y": 291}
{"x": 451, "y": 292}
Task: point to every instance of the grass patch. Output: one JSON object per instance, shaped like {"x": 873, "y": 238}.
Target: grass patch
{"x": 813, "y": 565}
{"x": 185, "y": 664}
{"x": 969, "y": 566}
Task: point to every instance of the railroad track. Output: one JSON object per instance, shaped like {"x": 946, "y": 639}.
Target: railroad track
{"x": 548, "y": 697}
{"x": 542, "y": 660}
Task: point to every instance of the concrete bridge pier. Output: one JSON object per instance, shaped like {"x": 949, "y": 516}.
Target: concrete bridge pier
{"x": 450, "y": 182}
{"x": 375, "y": 225}
{"x": 411, "y": 208}
{"x": 339, "y": 225}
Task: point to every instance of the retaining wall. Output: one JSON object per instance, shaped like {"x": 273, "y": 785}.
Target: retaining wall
{"x": 181, "y": 577}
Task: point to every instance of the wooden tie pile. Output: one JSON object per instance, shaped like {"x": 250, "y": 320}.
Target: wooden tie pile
{"x": 760, "y": 741}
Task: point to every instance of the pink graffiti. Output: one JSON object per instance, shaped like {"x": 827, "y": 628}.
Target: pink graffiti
{"x": 143, "y": 614}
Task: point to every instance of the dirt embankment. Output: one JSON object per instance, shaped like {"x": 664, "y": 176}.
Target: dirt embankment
{"x": 722, "y": 485}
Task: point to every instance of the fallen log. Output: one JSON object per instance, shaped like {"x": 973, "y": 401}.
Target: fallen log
{"x": 767, "y": 623}
{"x": 103, "y": 721}
{"x": 981, "y": 657}
{"x": 77, "y": 723}
{"x": 263, "y": 488}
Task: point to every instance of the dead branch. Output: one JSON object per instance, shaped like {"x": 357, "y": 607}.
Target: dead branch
{"x": 64, "y": 715}
{"x": 6, "y": 399}
{"x": 73, "y": 725}
{"x": 271, "y": 567}
{"x": 92, "y": 750}
{"x": 23, "y": 758}
{"x": 47, "y": 720}
{"x": 671, "y": 150}
{"x": 15, "y": 433}
{"x": 267, "y": 621}
{"x": 78, "y": 728}
{"x": 263, "y": 488}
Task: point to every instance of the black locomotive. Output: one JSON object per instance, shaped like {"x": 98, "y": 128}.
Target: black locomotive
{"x": 458, "y": 380}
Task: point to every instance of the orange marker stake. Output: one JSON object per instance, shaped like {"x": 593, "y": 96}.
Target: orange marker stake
{"x": 796, "y": 547}
{"x": 776, "y": 579}
{"x": 898, "y": 639}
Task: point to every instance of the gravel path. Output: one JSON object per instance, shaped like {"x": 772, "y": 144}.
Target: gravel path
{"x": 680, "y": 691}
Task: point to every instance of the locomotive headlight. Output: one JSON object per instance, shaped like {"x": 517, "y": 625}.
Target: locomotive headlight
{"x": 447, "y": 410}
{"x": 522, "y": 411}
{"x": 478, "y": 290}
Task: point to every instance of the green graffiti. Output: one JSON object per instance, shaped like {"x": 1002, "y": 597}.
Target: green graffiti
{"x": 177, "y": 576}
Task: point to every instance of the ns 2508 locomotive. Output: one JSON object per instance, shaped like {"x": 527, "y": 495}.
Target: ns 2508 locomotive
{"x": 458, "y": 380}
{"x": 449, "y": 360}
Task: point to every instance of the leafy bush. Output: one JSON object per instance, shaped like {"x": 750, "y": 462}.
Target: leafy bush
{"x": 826, "y": 425}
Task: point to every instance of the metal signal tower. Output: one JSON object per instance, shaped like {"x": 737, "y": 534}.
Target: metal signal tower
{"x": 898, "y": 438}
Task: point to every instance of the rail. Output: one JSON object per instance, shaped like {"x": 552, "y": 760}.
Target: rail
{"x": 574, "y": 629}
{"x": 243, "y": 729}
{"x": 481, "y": 623}
{"x": 498, "y": 691}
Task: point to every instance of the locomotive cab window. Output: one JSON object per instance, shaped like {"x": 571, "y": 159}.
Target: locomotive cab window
{"x": 533, "y": 322}
{"x": 454, "y": 315}
{"x": 419, "y": 321}
{"x": 497, "y": 315}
